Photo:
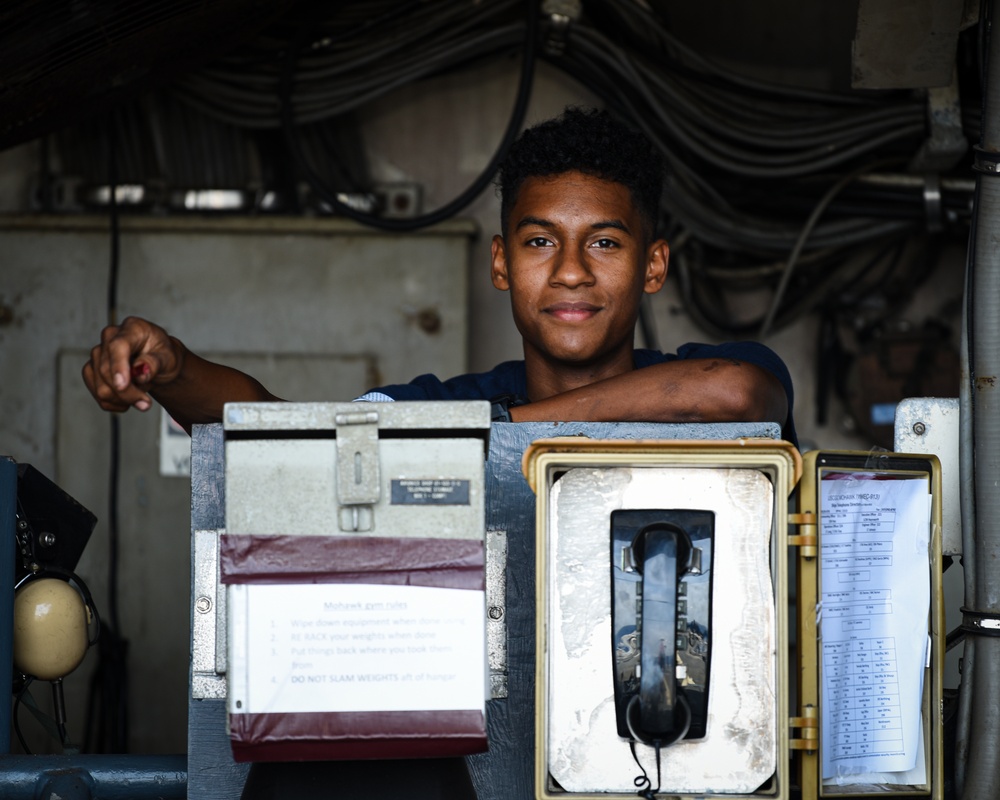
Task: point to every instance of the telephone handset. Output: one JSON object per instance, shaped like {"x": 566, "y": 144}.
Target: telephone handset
{"x": 661, "y": 610}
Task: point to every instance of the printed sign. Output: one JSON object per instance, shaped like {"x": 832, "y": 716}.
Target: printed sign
{"x": 356, "y": 647}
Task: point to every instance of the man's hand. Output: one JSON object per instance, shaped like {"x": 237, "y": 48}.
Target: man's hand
{"x": 131, "y": 359}
{"x": 138, "y": 362}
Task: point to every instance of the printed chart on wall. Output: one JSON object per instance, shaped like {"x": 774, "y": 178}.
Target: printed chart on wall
{"x": 875, "y": 601}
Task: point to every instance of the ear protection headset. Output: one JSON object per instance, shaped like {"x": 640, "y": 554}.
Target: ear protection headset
{"x": 55, "y": 619}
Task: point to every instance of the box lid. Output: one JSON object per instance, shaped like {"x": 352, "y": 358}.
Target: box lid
{"x": 445, "y": 418}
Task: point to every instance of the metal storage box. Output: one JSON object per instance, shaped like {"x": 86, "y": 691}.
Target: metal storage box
{"x": 352, "y": 572}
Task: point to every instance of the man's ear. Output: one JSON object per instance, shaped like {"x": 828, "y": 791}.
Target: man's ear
{"x": 498, "y": 266}
{"x": 657, "y": 259}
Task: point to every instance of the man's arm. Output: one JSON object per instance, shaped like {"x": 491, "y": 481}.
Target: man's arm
{"x": 686, "y": 390}
{"x": 138, "y": 362}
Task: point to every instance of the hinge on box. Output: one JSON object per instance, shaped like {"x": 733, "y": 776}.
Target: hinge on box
{"x": 806, "y": 539}
{"x": 359, "y": 483}
{"x": 808, "y": 727}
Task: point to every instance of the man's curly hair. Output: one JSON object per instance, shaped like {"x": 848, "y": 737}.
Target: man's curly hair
{"x": 588, "y": 141}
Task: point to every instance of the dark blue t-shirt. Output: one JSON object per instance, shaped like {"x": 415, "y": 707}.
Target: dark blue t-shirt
{"x": 509, "y": 378}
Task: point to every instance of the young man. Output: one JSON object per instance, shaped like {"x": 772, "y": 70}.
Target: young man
{"x": 579, "y": 207}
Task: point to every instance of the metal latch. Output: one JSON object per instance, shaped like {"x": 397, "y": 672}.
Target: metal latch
{"x": 359, "y": 484}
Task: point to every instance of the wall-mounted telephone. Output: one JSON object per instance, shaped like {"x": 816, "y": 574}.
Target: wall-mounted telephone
{"x": 661, "y": 611}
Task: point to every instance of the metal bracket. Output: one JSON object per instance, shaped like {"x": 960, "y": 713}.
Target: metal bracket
{"x": 946, "y": 144}
{"x": 496, "y": 611}
{"x": 208, "y": 619}
{"x": 359, "y": 484}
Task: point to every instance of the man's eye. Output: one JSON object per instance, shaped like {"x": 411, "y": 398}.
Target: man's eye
{"x": 605, "y": 243}
{"x": 538, "y": 241}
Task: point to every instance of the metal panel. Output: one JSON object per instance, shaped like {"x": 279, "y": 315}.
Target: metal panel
{"x": 930, "y": 425}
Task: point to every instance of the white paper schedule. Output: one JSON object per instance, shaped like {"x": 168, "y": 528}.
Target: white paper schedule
{"x": 356, "y": 647}
{"x": 874, "y": 614}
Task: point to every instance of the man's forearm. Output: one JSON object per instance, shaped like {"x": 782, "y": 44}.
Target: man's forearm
{"x": 689, "y": 390}
{"x": 202, "y": 388}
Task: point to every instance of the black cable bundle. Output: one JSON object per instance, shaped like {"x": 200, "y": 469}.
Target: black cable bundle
{"x": 769, "y": 187}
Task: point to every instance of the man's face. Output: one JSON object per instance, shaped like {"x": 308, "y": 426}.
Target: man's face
{"x": 576, "y": 260}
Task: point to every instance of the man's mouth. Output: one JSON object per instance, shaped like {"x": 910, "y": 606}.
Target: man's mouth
{"x": 572, "y": 312}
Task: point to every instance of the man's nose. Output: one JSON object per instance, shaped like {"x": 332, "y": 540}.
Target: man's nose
{"x": 571, "y": 268}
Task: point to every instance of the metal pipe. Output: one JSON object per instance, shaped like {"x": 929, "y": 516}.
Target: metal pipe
{"x": 898, "y": 180}
{"x": 90, "y": 777}
{"x": 968, "y": 508}
{"x": 982, "y": 772}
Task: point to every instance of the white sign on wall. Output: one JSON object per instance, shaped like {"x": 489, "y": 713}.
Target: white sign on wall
{"x": 175, "y": 448}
